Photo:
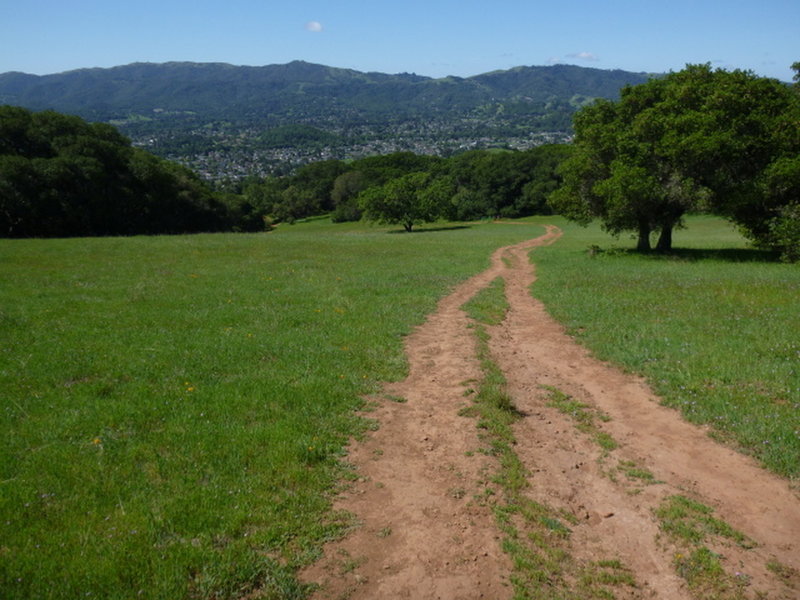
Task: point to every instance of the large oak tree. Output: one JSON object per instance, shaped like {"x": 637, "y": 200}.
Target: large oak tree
{"x": 698, "y": 139}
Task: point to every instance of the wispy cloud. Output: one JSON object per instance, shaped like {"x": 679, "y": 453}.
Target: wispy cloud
{"x": 587, "y": 56}
{"x": 314, "y": 26}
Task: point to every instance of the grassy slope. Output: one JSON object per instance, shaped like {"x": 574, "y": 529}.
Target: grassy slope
{"x": 174, "y": 407}
{"x": 715, "y": 327}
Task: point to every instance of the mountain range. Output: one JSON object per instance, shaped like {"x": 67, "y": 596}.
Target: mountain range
{"x": 219, "y": 90}
{"x": 185, "y": 109}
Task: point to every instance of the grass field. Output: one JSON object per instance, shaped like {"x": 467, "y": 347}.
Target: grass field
{"x": 715, "y": 327}
{"x": 174, "y": 407}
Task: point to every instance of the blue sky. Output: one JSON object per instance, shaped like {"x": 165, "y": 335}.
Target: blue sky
{"x": 433, "y": 37}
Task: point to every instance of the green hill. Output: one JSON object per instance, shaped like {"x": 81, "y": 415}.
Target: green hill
{"x": 233, "y": 92}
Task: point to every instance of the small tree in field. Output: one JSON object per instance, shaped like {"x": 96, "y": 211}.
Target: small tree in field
{"x": 408, "y": 200}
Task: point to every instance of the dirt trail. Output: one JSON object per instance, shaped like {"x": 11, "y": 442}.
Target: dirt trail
{"x": 423, "y": 537}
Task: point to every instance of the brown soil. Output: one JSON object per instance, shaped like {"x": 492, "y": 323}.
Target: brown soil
{"x": 421, "y": 534}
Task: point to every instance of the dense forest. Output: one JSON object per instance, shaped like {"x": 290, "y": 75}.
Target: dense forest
{"x": 61, "y": 176}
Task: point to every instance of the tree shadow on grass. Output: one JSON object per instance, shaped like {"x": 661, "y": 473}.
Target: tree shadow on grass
{"x": 431, "y": 229}
{"x": 734, "y": 255}
{"x": 726, "y": 254}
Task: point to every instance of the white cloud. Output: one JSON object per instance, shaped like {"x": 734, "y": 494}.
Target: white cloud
{"x": 314, "y": 26}
{"x": 588, "y": 56}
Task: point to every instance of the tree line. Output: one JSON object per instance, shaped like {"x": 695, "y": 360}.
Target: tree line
{"x": 408, "y": 189}
{"x": 699, "y": 140}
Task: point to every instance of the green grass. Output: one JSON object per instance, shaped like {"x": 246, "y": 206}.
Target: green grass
{"x": 703, "y": 571}
{"x": 689, "y": 524}
{"x": 174, "y": 408}
{"x": 492, "y": 404}
{"x": 584, "y": 417}
{"x": 489, "y": 306}
{"x": 632, "y": 471}
{"x": 692, "y": 522}
{"x": 788, "y": 575}
{"x": 714, "y": 327}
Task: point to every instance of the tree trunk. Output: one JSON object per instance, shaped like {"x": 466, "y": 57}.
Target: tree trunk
{"x": 665, "y": 239}
{"x": 408, "y": 225}
{"x": 643, "y": 244}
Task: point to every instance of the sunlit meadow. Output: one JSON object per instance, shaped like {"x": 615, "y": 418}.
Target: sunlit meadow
{"x": 174, "y": 408}
{"x": 715, "y": 327}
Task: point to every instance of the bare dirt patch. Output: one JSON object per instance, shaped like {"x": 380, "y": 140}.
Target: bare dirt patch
{"x": 424, "y": 534}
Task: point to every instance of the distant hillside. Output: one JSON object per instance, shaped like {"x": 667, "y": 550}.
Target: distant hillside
{"x": 190, "y": 110}
{"x": 222, "y": 90}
